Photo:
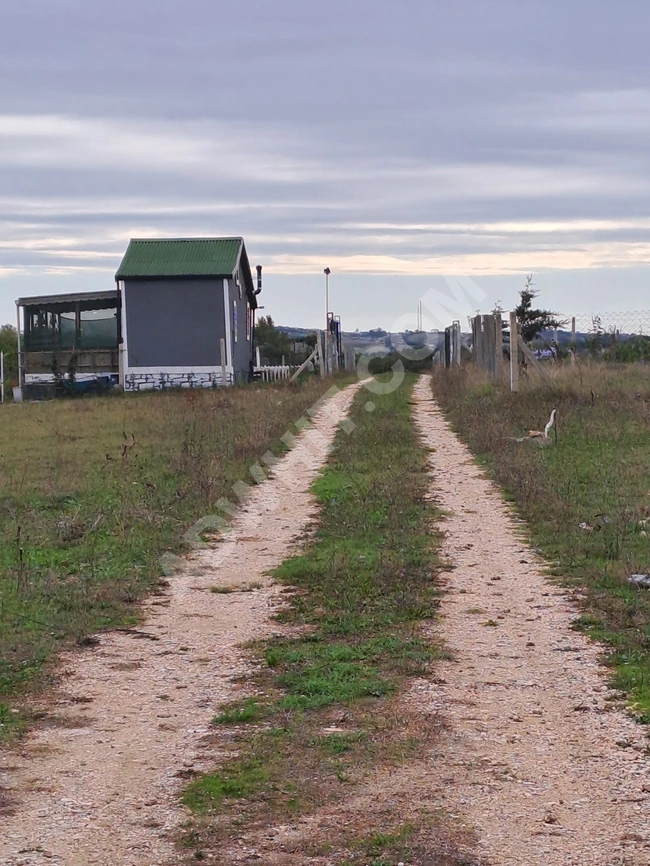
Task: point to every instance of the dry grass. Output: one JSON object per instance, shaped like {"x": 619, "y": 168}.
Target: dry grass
{"x": 94, "y": 490}
{"x": 586, "y": 497}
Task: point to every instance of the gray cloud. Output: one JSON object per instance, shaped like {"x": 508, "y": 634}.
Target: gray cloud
{"x": 401, "y": 138}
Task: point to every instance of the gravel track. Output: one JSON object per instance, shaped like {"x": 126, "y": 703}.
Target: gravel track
{"x": 538, "y": 762}
{"x": 98, "y": 783}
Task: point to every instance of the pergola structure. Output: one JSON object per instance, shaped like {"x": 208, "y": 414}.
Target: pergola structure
{"x": 76, "y": 335}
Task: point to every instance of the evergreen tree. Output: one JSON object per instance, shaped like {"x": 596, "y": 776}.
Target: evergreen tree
{"x": 533, "y": 321}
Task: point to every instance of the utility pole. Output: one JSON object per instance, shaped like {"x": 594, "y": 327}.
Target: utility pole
{"x": 326, "y": 334}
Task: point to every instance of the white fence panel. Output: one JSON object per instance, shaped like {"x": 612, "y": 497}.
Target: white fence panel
{"x": 272, "y": 374}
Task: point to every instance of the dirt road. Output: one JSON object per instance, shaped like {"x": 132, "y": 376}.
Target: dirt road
{"x": 98, "y": 783}
{"x": 538, "y": 761}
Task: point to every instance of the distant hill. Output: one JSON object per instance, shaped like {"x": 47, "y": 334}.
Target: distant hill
{"x": 582, "y": 337}
{"x": 377, "y": 339}
{"x": 300, "y": 333}
{"x": 359, "y": 339}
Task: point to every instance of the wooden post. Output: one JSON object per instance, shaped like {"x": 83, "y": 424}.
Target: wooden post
{"x": 573, "y": 340}
{"x": 222, "y": 346}
{"x": 489, "y": 341}
{"x": 532, "y": 360}
{"x": 304, "y": 364}
{"x": 498, "y": 347}
{"x": 321, "y": 358}
{"x": 439, "y": 352}
{"x": 452, "y": 345}
{"x": 475, "y": 338}
{"x": 514, "y": 353}
{"x": 77, "y": 326}
{"x": 480, "y": 339}
{"x": 485, "y": 356}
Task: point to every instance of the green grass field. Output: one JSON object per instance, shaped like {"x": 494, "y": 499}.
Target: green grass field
{"x": 93, "y": 490}
{"x": 596, "y": 475}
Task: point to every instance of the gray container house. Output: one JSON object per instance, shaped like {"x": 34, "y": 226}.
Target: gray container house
{"x": 186, "y": 313}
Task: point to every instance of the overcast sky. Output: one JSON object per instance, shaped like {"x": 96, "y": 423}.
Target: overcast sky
{"x": 395, "y": 142}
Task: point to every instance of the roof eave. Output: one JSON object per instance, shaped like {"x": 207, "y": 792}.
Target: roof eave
{"x": 72, "y": 298}
{"x": 123, "y": 277}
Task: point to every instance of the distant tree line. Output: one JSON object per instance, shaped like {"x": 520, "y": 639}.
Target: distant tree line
{"x": 274, "y": 344}
{"x": 9, "y": 346}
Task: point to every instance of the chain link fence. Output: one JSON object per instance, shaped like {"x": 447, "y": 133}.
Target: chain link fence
{"x": 635, "y": 322}
{"x": 612, "y": 336}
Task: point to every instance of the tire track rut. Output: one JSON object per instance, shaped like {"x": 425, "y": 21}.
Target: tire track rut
{"x": 539, "y": 761}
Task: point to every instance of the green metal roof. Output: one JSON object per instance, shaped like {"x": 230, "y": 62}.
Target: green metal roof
{"x": 182, "y": 257}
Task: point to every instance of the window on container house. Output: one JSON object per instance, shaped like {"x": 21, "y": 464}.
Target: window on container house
{"x": 234, "y": 318}
{"x": 248, "y": 321}
{"x": 238, "y": 282}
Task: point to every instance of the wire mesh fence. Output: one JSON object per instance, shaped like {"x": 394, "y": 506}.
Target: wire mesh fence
{"x": 622, "y": 336}
{"x": 630, "y": 322}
